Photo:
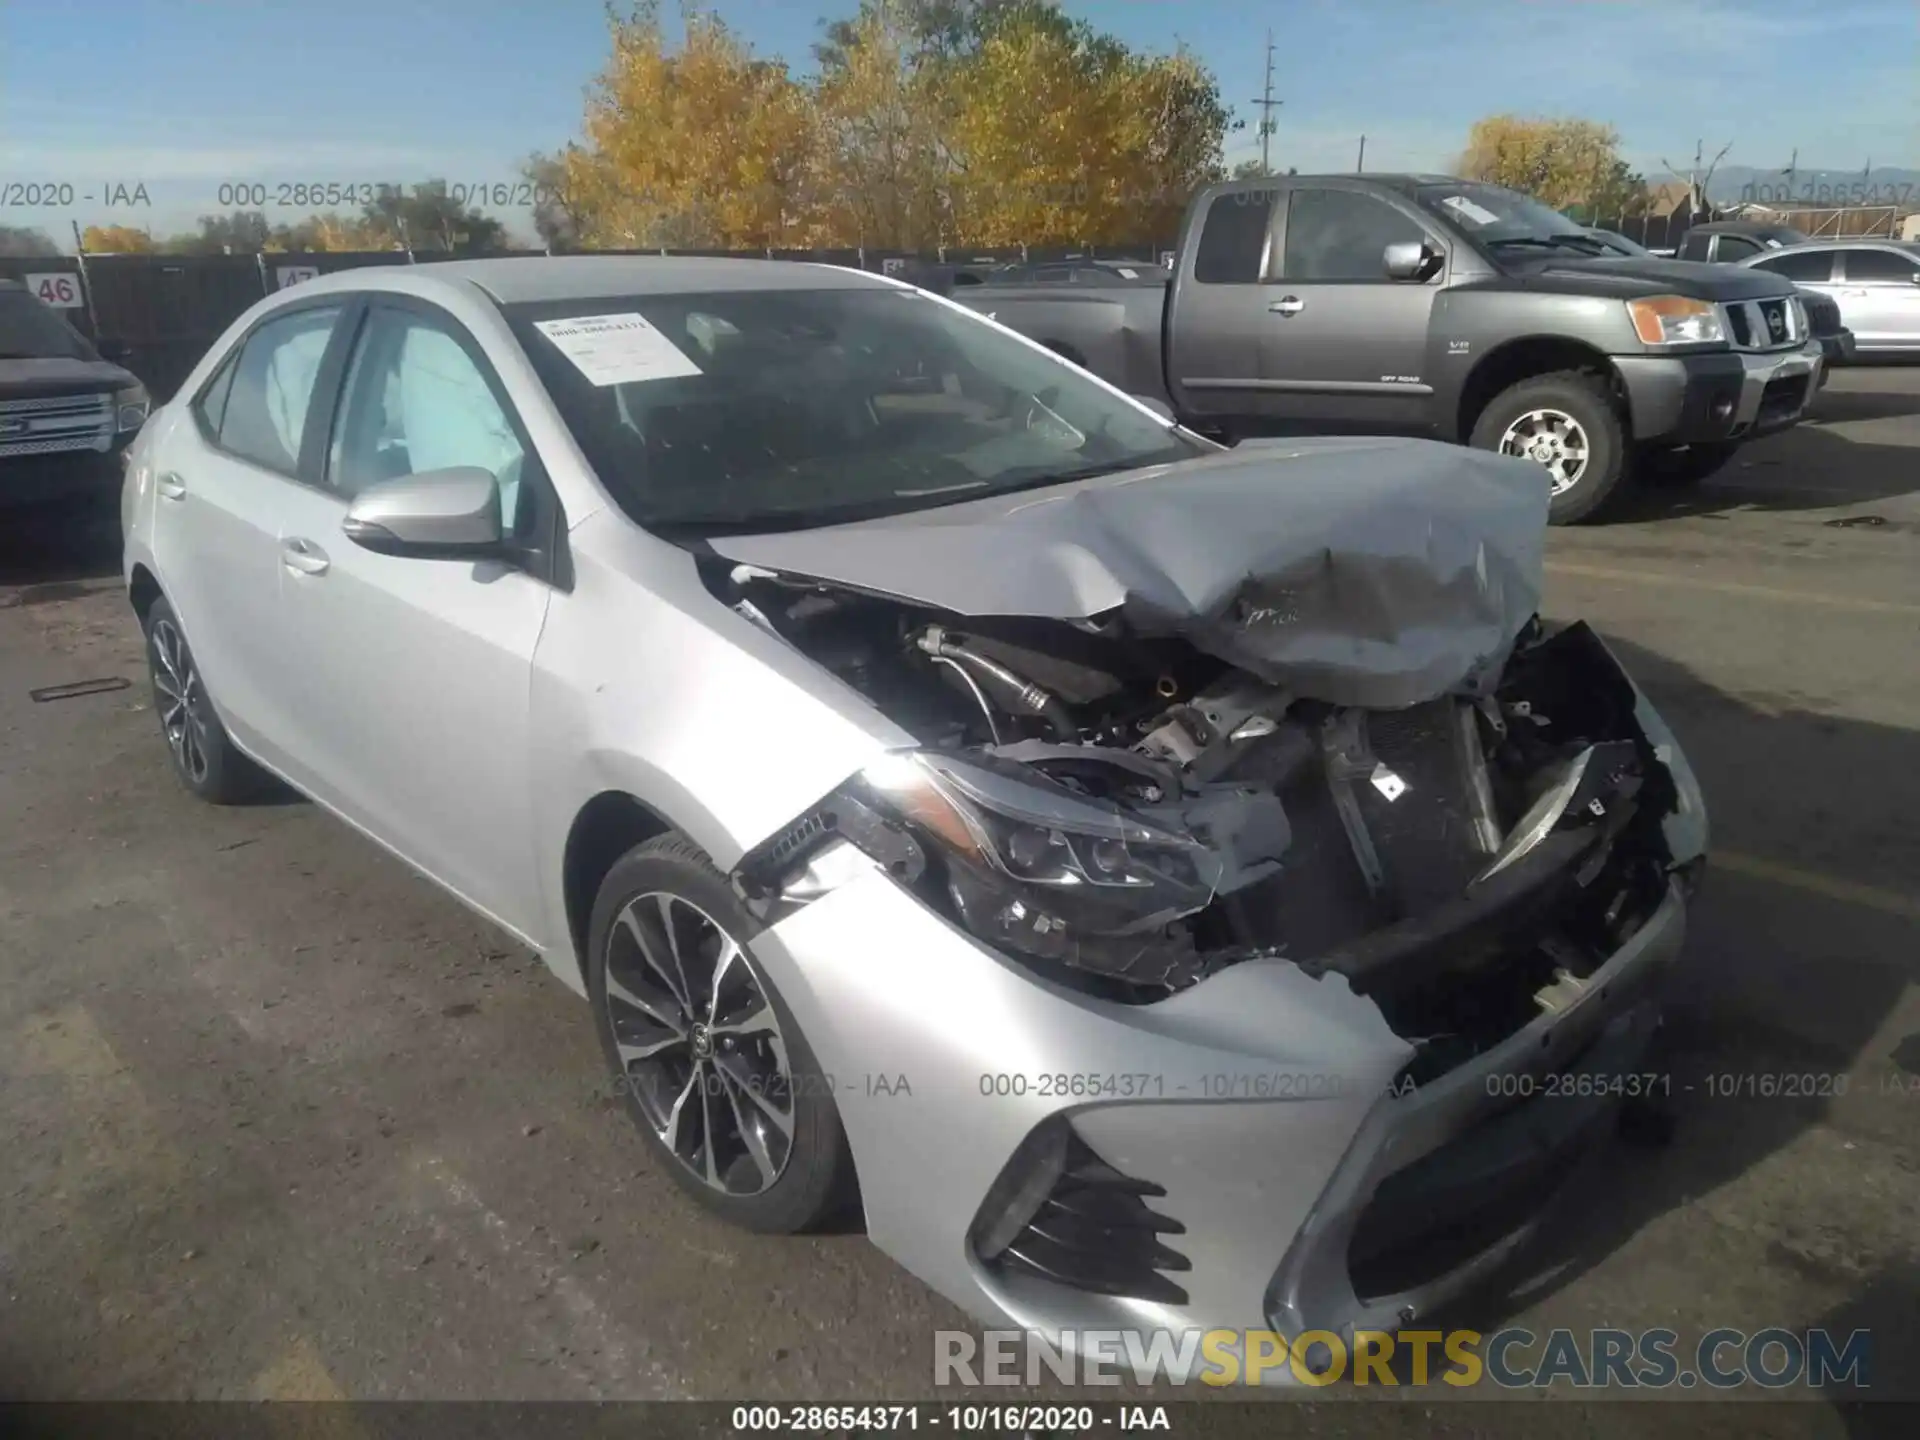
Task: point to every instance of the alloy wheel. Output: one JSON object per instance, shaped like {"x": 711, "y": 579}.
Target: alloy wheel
{"x": 182, "y": 700}
{"x": 700, "y": 1047}
{"x": 1551, "y": 438}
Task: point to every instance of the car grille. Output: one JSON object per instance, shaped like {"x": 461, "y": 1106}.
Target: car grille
{"x": 1096, "y": 1233}
{"x": 56, "y": 423}
{"x": 1764, "y": 324}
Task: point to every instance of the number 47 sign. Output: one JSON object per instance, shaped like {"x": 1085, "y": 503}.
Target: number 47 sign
{"x": 60, "y": 289}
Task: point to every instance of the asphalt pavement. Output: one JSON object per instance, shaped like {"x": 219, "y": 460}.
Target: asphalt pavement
{"x": 277, "y": 1119}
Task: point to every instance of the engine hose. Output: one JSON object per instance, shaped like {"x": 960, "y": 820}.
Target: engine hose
{"x": 1018, "y": 696}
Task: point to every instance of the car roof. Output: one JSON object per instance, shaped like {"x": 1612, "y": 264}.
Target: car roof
{"x": 536, "y": 278}
{"x": 1744, "y": 227}
{"x": 1853, "y": 242}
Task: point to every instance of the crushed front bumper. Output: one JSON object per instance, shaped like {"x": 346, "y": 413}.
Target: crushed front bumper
{"x": 1719, "y": 396}
{"x": 1260, "y": 1104}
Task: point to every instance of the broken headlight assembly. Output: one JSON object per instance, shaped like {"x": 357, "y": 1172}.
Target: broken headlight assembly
{"x": 1038, "y": 867}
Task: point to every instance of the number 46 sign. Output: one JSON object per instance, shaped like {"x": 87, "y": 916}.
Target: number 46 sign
{"x": 61, "y": 289}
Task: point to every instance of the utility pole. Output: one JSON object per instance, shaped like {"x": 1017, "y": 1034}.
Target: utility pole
{"x": 1267, "y": 105}
{"x": 1360, "y": 165}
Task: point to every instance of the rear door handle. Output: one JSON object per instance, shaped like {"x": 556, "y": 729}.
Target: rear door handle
{"x": 170, "y": 486}
{"x": 303, "y": 557}
{"x": 1292, "y": 305}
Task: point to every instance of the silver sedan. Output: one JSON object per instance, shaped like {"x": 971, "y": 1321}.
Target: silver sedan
{"x": 1875, "y": 282}
{"x": 1145, "y": 878}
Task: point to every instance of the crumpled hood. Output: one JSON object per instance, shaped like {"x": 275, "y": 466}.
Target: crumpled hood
{"x": 1377, "y": 573}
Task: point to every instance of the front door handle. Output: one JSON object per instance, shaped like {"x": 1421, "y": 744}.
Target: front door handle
{"x": 1292, "y": 305}
{"x": 303, "y": 557}
{"x": 170, "y": 486}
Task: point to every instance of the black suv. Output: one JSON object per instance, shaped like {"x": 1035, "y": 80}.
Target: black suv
{"x": 66, "y": 414}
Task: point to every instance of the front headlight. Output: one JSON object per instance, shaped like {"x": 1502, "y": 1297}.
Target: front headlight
{"x": 1676, "y": 320}
{"x": 1037, "y": 865}
{"x": 130, "y": 408}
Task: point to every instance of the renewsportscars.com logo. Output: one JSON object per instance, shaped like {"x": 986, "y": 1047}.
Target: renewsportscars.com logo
{"x": 1511, "y": 1359}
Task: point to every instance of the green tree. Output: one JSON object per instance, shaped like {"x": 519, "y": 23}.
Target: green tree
{"x": 244, "y": 232}
{"x": 428, "y": 217}
{"x": 23, "y": 240}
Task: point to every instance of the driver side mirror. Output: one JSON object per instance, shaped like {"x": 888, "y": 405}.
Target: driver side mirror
{"x": 1410, "y": 260}
{"x": 451, "y": 514}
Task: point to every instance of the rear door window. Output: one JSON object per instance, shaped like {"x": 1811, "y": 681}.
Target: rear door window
{"x": 1233, "y": 238}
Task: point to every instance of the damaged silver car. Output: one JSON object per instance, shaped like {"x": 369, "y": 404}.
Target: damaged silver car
{"x": 1162, "y": 885}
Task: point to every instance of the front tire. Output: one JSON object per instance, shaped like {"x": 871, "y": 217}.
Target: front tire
{"x": 709, "y": 1060}
{"x": 204, "y": 757}
{"x": 1568, "y": 423}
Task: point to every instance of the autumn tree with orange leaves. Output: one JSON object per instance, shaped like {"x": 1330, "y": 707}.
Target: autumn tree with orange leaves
{"x": 115, "y": 240}
{"x": 929, "y": 122}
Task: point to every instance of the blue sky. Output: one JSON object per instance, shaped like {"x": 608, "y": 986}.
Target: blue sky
{"x": 182, "y": 95}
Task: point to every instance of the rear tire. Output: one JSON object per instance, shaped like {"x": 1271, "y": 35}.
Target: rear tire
{"x": 713, "y": 1069}
{"x": 1676, "y": 467}
{"x": 1557, "y": 416}
{"x": 204, "y": 757}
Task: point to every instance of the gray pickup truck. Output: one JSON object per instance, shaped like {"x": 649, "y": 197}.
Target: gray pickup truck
{"x": 1426, "y": 305}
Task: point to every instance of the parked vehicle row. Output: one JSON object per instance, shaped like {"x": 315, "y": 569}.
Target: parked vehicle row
{"x": 1427, "y": 305}
{"x": 66, "y": 414}
{"x": 829, "y": 683}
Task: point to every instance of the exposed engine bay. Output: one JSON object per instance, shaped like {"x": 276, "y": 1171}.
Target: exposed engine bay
{"x": 1130, "y": 814}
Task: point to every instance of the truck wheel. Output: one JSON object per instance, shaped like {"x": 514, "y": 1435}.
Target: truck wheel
{"x": 1568, "y": 424}
{"x": 1678, "y": 465}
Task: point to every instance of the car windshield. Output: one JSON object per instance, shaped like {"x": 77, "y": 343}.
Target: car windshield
{"x": 1501, "y": 219}
{"x": 31, "y": 331}
{"x": 779, "y": 409}
{"x": 1619, "y": 243}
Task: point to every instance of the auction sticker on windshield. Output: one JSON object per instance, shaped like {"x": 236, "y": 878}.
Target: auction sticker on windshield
{"x": 1467, "y": 210}
{"x": 617, "y": 349}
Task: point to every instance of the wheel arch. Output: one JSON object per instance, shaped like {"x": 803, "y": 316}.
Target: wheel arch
{"x": 605, "y": 828}
{"x": 142, "y": 590}
{"x": 1524, "y": 358}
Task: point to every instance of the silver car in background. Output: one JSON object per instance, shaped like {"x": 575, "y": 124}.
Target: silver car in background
{"x": 1875, "y": 282}
{"x": 1161, "y": 884}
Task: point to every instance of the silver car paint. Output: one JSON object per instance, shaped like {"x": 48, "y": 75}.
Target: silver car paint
{"x": 1884, "y": 315}
{"x": 637, "y": 681}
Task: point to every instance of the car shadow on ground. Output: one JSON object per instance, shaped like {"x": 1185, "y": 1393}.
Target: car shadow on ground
{"x": 1810, "y": 467}
{"x": 58, "y": 551}
{"x": 1775, "y": 982}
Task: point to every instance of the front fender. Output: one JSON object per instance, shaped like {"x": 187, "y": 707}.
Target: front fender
{"x": 644, "y": 683}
